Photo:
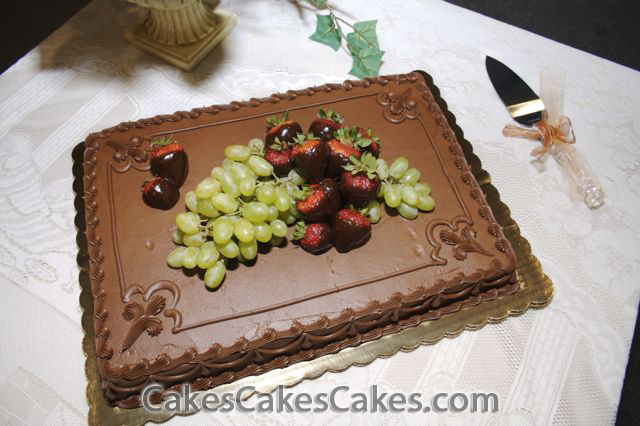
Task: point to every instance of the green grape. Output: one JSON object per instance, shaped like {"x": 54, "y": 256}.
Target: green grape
{"x": 295, "y": 178}
{"x": 266, "y": 193}
{"x": 256, "y": 146}
{"x": 229, "y": 249}
{"x": 243, "y": 230}
{"x": 229, "y": 185}
{"x": 193, "y": 240}
{"x": 190, "y": 257}
{"x": 278, "y": 228}
{"x": 248, "y": 249}
{"x": 422, "y": 188}
{"x": 209, "y": 226}
{"x": 409, "y": 195}
{"x": 382, "y": 168}
{"x": 282, "y": 200}
{"x": 294, "y": 211}
{"x": 216, "y": 172}
{"x": 207, "y": 188}
{"x": 175, "y": 257}
{"x": 241, "y": 171}
{"x": 226, "y": 164}
{"x": 287, "y": 217}
{"x": 273, "y": 213}
{"x": 407, "y": 211}
{"x": 374, "y": 211}
{"x": 207, "y": 256}
{"x": 260, "y": 166}
{"x": 426, "y": 203}
{"x": 392, "y": 197}
{"x": 276, "y": 241}
{"x": 411, "y": 176}
{"x": 237, "y": 152}
{"x": 234, "y": 218}
{"x": 222, "y": 230}
{"x": 255, "y": 211}
{"x": 291, "y": 187}
{"x": 381, "y": 189}
{"x": 205, "y": 207}
{"x": 177, "y": 235}
{"x": 224, "y": 202}
{"x": 191, "y": 201}
{"x": 399, "y": 167}
{"x": 247, "y": 186}
{"x": 215, "y": 274}
{"x": 262, "y": 232}
{"x": 188, "y": 222}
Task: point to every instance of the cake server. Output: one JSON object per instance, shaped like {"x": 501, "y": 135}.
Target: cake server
{"x": 526, "y": 108}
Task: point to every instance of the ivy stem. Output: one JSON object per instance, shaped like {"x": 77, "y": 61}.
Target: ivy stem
{"x": 337, "y": 18}
{"x": 337, "y": 21}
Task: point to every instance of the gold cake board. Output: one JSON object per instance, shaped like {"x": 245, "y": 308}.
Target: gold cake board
{"x": 536, "y": 291}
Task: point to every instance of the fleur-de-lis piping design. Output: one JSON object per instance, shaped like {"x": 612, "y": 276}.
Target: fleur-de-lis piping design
{"x": 462, "y": 244}
{"x": 127, "y": 154}
{"x": 398, "y": 107}
{"x": 143, "y": 319}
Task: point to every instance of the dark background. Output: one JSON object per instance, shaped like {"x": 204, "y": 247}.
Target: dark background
{"x": 606, "y": 28}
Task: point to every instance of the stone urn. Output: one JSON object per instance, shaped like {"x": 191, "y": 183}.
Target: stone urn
{"x": 182, "y": 32}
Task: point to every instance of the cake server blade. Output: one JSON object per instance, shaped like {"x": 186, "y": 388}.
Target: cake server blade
{"x": 523, "y": 104}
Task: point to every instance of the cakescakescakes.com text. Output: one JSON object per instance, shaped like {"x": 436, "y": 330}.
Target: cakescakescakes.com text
{"x": 284, "y": 401}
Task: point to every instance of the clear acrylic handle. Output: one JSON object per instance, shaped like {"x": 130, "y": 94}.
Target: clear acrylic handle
{"x": 580, "y": 175}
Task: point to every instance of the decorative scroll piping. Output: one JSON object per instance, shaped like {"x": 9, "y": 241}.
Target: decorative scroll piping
{"x": 169, "y": 312}
{"x": 449, "y": 236}
{"x": 462, "y": 244}
{"x": 466, "y": 176}
{"x": 398, "y": 107}
{"x": 94, "y": 243}
{"x": 143, "y": 319}
{"x": 375, "y": 320}
{"x": 129, "y": 155}
{"x": 353, "y": 328}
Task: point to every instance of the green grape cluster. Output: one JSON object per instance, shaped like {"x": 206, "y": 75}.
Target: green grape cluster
{"x": 402, "y": 189}
{"x": 242, "y": 203}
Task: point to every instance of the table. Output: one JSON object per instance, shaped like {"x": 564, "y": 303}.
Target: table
{"x": 563, "y": 364}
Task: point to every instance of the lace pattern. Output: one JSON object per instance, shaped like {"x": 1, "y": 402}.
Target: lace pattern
{"x": 563, "y": 364}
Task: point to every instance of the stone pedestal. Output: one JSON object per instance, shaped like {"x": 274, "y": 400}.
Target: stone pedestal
{"x": 181, "y": 32}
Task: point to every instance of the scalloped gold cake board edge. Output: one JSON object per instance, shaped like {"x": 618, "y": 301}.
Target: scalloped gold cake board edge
{"x": 536, "y": 291}
{"x": 186, "y": 56}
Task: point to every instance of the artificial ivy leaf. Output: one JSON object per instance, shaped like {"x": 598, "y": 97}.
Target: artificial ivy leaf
{"x": 319, "y": 4}
{"x": 366, "y": 62}
{"x": 326, "y": 32}
{"x": 364, "y": 32}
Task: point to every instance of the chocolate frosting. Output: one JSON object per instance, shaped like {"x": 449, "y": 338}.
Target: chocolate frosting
{"x": 156, "y": 324}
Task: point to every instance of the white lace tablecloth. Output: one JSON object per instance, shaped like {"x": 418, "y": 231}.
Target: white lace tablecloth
{"x": 562, "y": 364}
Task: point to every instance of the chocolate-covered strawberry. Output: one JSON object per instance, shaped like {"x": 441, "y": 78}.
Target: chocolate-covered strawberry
{"x": 368, "y": 141}
{"x": 282, "y": 128}
{"x": 314, "y": 237}
{"x": 279, "y": 155}
{"x": 310, "y": 155}
{"x": 351, "y": 230}
{"x": 160, "y": 193}
{"x": 359, "y": 182}
{"x": 341, "y": 148}
{"x": 168, "y": 160}
{"x": 320, "y": 202}
{"x": 326, "y": 124}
